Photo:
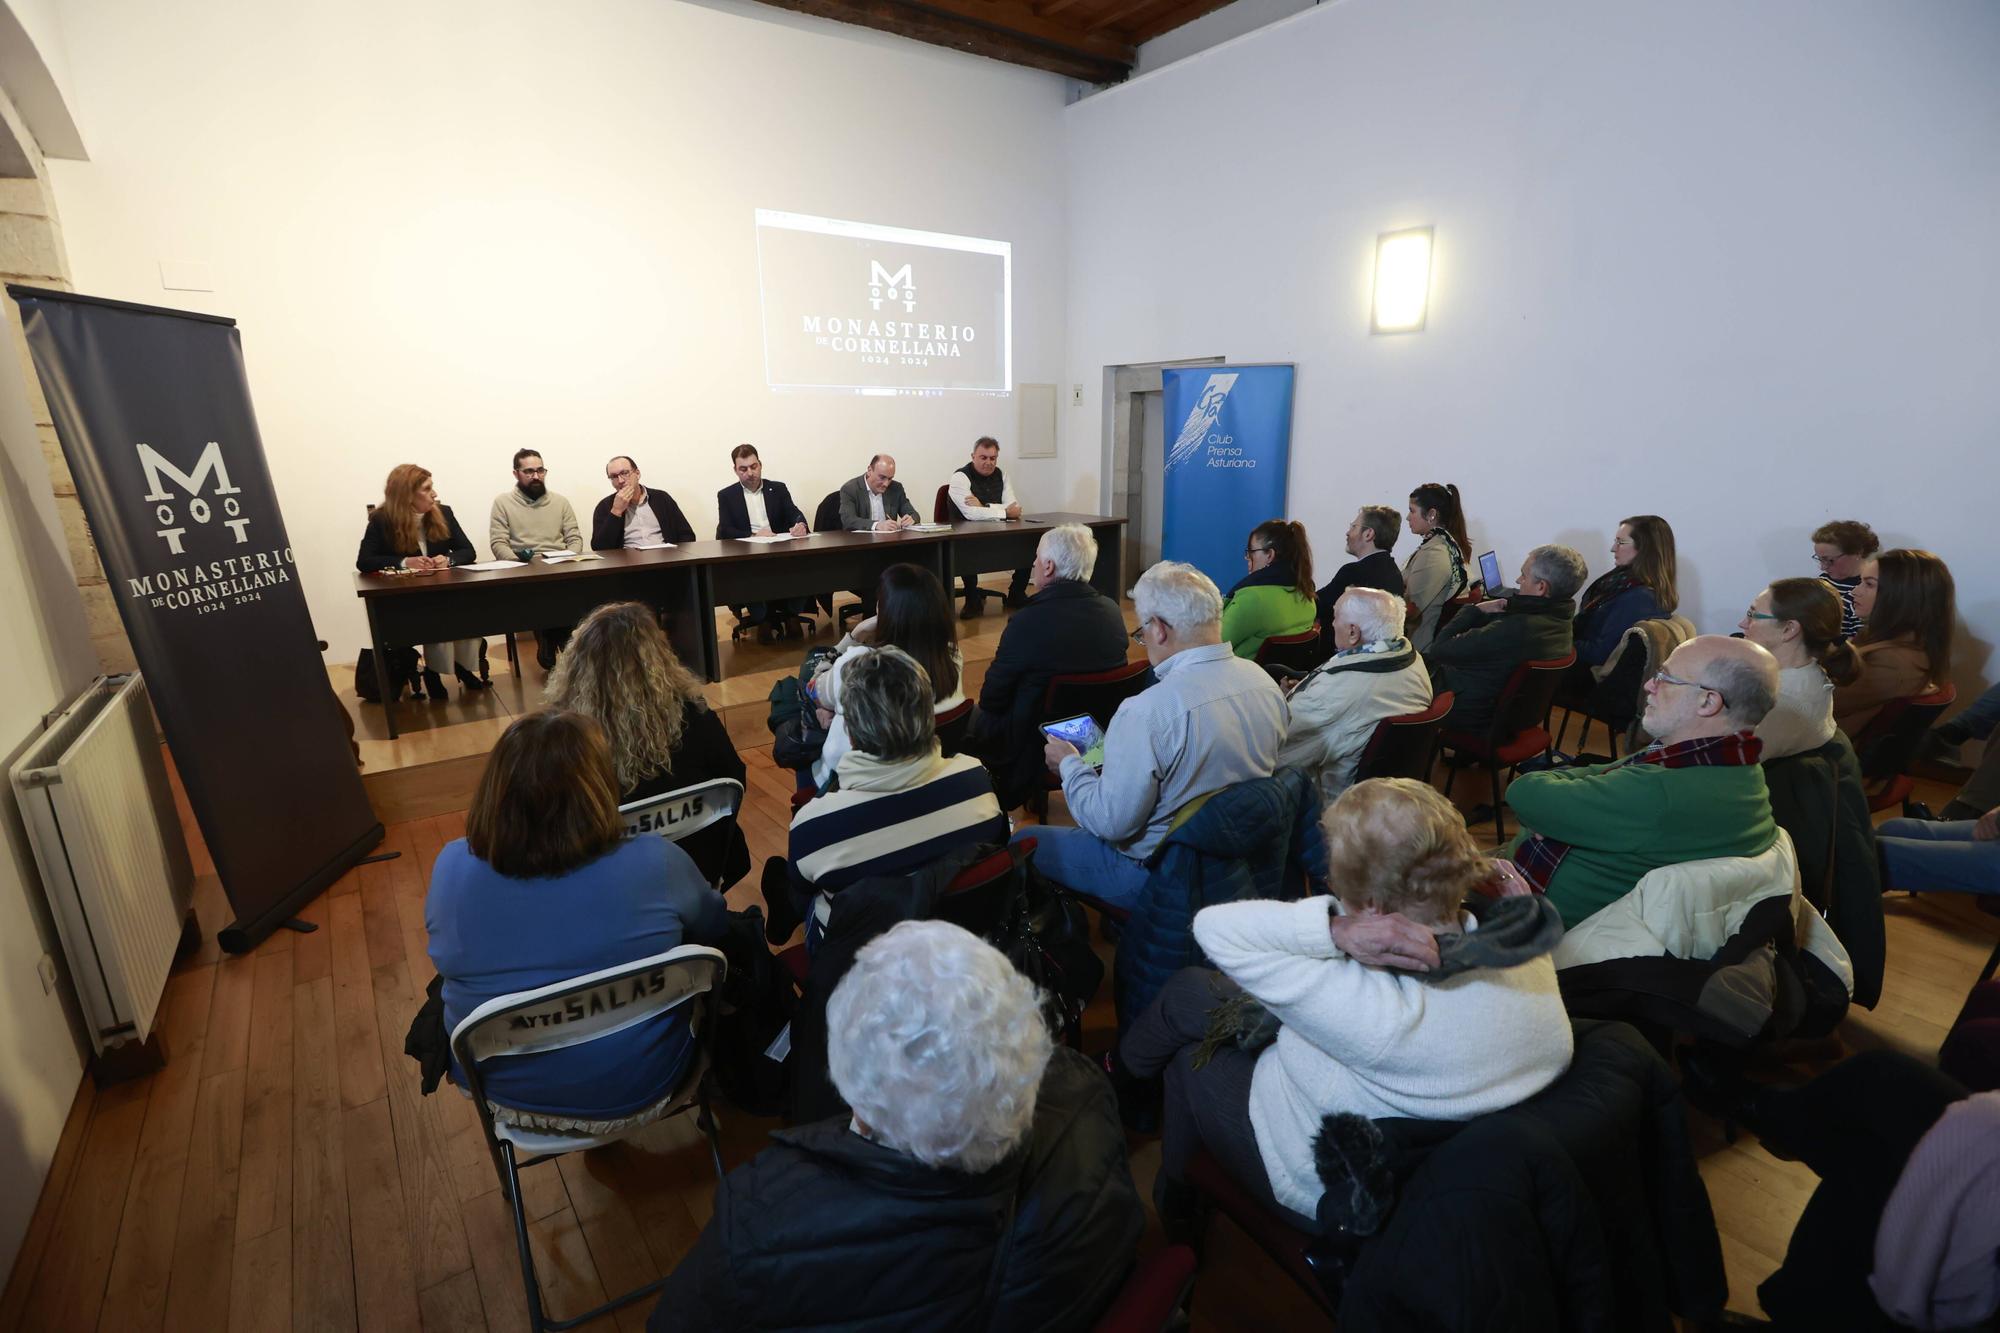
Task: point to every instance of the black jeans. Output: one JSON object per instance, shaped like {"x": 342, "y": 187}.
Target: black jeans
{"x": 1855, "y": 1126}
{"x": 1207, "y": 1107}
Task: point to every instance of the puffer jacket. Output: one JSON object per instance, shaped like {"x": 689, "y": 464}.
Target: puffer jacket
{"x": 1818, "y": 798}
{"x": 1257, "y": 839}
{"x": 825, "y": 1230}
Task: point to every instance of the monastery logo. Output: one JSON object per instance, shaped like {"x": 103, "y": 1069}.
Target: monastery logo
{"x": 198, "y": 509}
{"x": 893, "y": 287}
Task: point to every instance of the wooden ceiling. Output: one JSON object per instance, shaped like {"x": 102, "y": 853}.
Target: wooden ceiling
{"x": 1093, "y": 40}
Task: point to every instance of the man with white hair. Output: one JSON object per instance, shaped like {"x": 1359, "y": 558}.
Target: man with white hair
{"x": 1374, "y": 673}
{"x": 1212, "y": 720}
{"x": 1066, "y": 627}
{"x": 1697, "y": 792}
{"x": 1476, "y": 654}
{"x": 980, "y": 1182}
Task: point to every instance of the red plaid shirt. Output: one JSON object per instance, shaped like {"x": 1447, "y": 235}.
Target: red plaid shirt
{"x": 1538, "y": 858}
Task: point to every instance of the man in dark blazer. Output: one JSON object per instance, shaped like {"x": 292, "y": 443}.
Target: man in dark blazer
{"x": 1067, "y": 627}
{"x": 874, "y": 501}
{"x": 732, "y": 503}
{"x": 1369, "y": 539}
{"x": 635, "y": 514}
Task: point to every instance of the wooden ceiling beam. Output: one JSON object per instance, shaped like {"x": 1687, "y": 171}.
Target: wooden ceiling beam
{"x": 1109, "y": 19}
{"x": 1044, "y": 8}
{"x": 1009, "y": 32}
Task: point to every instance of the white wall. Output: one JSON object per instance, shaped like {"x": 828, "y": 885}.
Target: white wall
{"x": 1213, "y": 29}
{"x": 453, "y": 229}
{"x": 1733, "y": 264}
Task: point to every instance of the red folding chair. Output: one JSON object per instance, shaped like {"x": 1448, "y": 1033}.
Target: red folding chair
{"x": 1519, "y": 730}
{"x": 1405, "y": 746}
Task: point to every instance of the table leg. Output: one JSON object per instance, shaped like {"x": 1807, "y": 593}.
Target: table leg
{"x": 1109, "y": 575}
{"x": 388, "y": 691}
{"x": 701, "y": 633}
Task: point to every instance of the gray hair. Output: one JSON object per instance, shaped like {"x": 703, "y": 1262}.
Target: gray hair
{"x": 939, "y": 1046}
{"x": 887, "y": 701}
{"x": 1561, "y": 567}
{"x": 1179, "y": 594}
{"x": 1377, "y": 614}
{"x": 1071, "y": 548}
{"x": 1747, "y": 681}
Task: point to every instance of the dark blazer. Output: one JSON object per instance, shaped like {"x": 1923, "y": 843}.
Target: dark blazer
{"x": 732, "y": 511}
{"x": 1375, "y": 570}
{"x": 825, "y": 1229}
{"x": 1065, "y": 628}
{"x": 1477, "y": 651}
{"x": 607, "y": 530}
{"x": 854, "y": 504}
{"x": 379, "y": 552}
{"x": 705, "y": 752}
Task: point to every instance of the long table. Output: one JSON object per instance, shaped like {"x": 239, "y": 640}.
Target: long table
{"x": 687, "y": 582}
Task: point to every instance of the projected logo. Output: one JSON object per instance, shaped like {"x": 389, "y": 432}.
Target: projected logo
{"x": 1198, "y": 434}
{"x": 824, "y": 328}
{"x": 886, "y": 286}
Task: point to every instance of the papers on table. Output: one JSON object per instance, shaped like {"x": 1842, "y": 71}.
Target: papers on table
{"x": 929, "y": 527}
{"x": 494, "y": 564}
{"x": 652, "y": 546}
{"x": 560, "y": 557}
{"x": 767, "y": 538}
{"x": 985, "y": 514}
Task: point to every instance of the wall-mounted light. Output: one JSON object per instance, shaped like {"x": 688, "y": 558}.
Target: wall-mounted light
{"x": 1402, "y": 280}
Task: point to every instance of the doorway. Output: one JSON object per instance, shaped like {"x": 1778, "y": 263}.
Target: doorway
{"x": 1134, "y": 463}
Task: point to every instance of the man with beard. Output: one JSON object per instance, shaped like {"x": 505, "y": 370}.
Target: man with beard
{"x": 532, "y": 518}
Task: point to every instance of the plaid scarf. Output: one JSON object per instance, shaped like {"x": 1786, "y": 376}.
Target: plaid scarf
{"x": 1538, "y": 858}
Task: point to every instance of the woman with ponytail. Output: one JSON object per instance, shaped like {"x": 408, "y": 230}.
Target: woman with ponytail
{"x": 1798, "y": 620}
{"x": 1638, "y": 586}
{"x": 1909, "y": 607}
{"x": 1277, "y": 595}
{"x": 1435, "y": 572}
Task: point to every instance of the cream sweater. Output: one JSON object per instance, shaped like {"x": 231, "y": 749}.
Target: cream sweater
{"x": 1802, "y": 718}
{"x": 1375, "y": 1042}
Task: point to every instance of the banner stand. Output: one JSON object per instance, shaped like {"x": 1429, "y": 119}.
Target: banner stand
{"x": 1226, "y": 461}
{"x": 152, "y": 408}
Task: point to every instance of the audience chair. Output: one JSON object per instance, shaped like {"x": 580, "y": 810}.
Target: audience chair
{"x": 1405, "y": 746}
{"x": 544, "y": 1019}
{"x": 1520, "y": 729}
{"x": 952, "y": 724}
{"x": 1097, "y": 693}
{"x": 681, "y": 813}
{"x": 1299, "y": 652}
{"x": 1891, "y": 739}
{"x": 1316, "y": 1264}
{"x": 1155, "y": 1297}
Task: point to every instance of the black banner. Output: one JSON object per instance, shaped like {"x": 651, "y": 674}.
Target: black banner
{"x": 153, "y": 410}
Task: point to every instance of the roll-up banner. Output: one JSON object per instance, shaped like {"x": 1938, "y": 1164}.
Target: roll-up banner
{"x": 153, "y": 411}
{"x": 1227, "y": 453}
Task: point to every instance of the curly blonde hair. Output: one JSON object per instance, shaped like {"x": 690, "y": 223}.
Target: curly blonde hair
{"x": 1397, "y": 844}
{"x": 620, "y": 671}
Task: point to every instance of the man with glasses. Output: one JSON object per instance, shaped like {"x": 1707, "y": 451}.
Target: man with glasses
{"x": 1212, "y": 720}
{"x": 1840, "y": 549}
{"x": 1697, "y": 792}
{"x": 529, "y": 519}
{"x": 635, "y": 515}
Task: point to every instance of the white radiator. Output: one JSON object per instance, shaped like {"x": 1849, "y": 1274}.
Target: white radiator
{"x": 93, "y": 793}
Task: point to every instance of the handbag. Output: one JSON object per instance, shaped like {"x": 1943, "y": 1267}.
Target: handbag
{"x": 402, "y": 668}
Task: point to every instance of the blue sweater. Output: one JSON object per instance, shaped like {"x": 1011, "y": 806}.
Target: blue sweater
{"x": 491, "y": 935}
{"x": 1599, "y": 628}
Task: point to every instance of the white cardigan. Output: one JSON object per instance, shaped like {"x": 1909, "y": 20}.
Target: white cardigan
{"x": 1375, "y": 1042}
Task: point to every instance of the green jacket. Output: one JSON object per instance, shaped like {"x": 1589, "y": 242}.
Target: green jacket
{"x": 1254, "y": 614}
{"x": 1623, "y": 819}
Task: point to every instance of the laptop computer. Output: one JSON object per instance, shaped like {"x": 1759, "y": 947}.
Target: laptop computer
{"x": 1489, "y": 572}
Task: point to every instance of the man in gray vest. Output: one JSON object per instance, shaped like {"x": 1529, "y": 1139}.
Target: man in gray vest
{"x": 981, "y": 491}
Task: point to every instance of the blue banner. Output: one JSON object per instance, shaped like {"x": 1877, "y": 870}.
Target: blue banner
{"x": 1228, "y": 446}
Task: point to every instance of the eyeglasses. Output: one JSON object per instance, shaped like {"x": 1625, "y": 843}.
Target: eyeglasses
{"x": 1663, "y": 678}
{"x": 1754, "y": 614}
{"x": 620, "y": 474}
{"x": 1139, "y": 635}
{"x": 1249, "y": 551}
{"x": 1825, "y": 560}
{"x": 533, "y": 471}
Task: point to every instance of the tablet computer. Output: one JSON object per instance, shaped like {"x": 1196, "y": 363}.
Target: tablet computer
{"x": 1083, "y": 732}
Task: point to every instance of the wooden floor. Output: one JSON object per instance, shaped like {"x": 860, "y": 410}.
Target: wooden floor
{"x": 282, "y": 1171}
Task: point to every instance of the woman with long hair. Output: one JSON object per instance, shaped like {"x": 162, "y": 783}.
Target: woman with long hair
{"x": 621, "y": 672}
{"x": 913, "y": 613}
{"x": 414, "y": 530}
{"x": 1435, "y": 571}
{"x": 1277, "y": 596}
{"x": 1910, "y": 607}
{"x": 545, "y": 886}
{"x": 1798, "y": 621}
{"x": 1638, "y": 586}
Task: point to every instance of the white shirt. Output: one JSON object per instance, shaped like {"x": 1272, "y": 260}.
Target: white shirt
{"x": 960, "y": 489}
{"x": 753, "y": 504}
{"x": 642, "y": 525}
{"x": 874, "y": 505}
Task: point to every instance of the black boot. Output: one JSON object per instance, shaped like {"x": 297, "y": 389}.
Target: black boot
{"x": 471, "y": 681}
{"x": 434, "y": 686}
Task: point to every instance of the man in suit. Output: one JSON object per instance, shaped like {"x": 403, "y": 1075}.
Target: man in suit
{"x": 755, "y": 507}
{"x": 1067, "y": 627}
{"x": 1369, "y": 539}
{"x": 635, "y": 514}
{"x": 874, "y": 501}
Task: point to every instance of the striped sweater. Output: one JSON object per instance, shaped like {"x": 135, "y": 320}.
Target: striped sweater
{"x": 891, "y": 817}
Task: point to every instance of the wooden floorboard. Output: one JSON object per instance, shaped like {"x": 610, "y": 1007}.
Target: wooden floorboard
{"x": 284, "y": 1171}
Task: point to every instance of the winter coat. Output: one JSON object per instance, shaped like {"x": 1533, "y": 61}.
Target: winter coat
{"x": 826, "y": 1230}
{"x": 1475, "y": 655}
{"x": 1333, "y": 711}
{"x": 1432, "y": 576}
{"x": 1818, "y": 798}
{"x": 1892, "y": 669}
{"x": 1264, "y": 605}
{"x": 1256, "y": 839}
{"x": 1599, "y": 627}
